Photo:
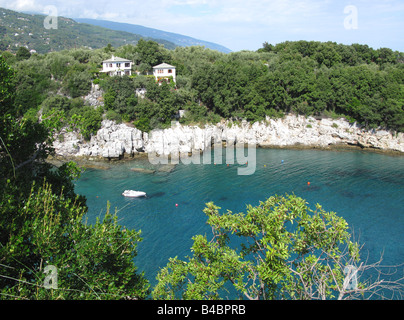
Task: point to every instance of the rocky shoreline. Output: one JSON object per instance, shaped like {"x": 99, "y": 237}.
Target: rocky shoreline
{"x": 120, "y": 141}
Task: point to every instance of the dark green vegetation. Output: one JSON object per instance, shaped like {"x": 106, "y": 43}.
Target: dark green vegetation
{"x": 309, "y": 78}
{"x": 28, "y": 30}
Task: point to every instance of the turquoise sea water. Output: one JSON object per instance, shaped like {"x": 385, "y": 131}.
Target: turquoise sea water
{"x": 367, "y": 189}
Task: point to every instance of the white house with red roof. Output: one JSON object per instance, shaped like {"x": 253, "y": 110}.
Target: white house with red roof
{"x": 164, "y": 71}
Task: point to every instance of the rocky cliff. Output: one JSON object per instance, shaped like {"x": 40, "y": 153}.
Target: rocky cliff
{"x": 115, "y": 141}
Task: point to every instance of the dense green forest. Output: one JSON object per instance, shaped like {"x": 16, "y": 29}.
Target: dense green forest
{"x": 310, "y": 78}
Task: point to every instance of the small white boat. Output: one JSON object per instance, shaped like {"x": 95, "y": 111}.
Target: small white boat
{"x": 133, "y": 194}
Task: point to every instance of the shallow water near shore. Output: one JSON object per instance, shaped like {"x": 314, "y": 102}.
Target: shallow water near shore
{"x": 366, "y": 189}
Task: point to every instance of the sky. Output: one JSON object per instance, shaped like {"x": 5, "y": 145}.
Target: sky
{"x": 246, "y": 25}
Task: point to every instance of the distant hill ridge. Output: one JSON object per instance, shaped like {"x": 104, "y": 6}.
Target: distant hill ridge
{"x": 177, "y": 39}
{"x": 27, "y": 30}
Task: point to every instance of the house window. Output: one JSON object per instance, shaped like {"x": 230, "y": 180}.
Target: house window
{"x": 118, "y": 65}
{"x": 110, "y": 65}
{"x": 118, "y": 73}
{"x": 127, "y": 65}
{"x": 161, "y": 71}
{"x": 170, "y": 71}
{"x": 127, "y": 73}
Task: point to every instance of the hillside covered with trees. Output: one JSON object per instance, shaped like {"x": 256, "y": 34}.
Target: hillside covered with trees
{"x": 308, "y": 78}
{"x": 27, "y": 30}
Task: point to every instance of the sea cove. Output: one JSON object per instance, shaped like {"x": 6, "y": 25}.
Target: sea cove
{"x": 209, "y": 174}
{"x": 364, "y": 188}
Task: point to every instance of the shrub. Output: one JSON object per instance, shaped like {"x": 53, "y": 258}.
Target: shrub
{"x": 114, "y": 116}
{"x": 143, "y": 124}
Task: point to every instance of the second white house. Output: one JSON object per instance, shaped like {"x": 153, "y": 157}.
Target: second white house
{"x": 164, "y": 71}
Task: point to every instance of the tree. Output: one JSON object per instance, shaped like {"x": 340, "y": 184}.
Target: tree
{"x": 281, "y": 249}
{"x": 22, "y": 142}
{"x": 109, "y": 48}
{"x": 91, "y": 261}
{"x": 59, "y": 63}
{"x": 266, "y": 47}
{"x": 56, "y": 103}
{"x": 149, "y": 54}
{"x": 6, "y": 86}
{"x": 22, "y": 54}
{"x": 385, "y": 55}
{"x": 120, "y": 96}
{"x": 32, "y": 82}
{"x": 87, "y": 120}
{"x": 77, "y": 83}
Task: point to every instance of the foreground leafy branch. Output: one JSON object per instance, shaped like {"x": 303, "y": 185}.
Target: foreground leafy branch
{"x": 281, "y": 249}
{"x": 92, "y": 261}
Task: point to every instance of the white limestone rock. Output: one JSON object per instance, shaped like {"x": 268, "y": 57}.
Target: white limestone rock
{"x": 116, "y": 140}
